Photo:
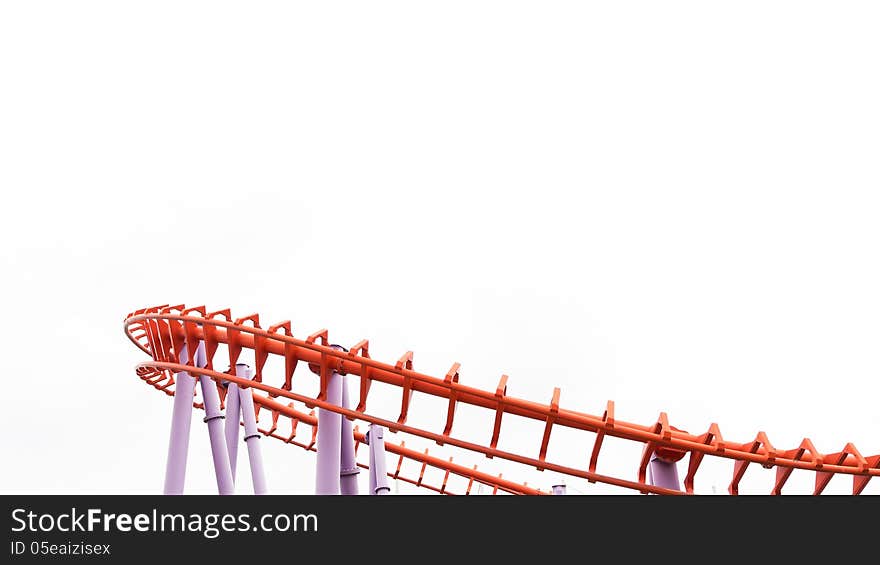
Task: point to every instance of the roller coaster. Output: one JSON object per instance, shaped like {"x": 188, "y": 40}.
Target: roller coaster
{"x": 183, "y": 345}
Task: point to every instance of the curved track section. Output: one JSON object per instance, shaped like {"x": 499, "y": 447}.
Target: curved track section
{"x": 162, "y": 331}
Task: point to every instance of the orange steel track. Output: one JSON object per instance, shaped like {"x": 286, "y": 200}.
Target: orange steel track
{"x": 162, "y": 331}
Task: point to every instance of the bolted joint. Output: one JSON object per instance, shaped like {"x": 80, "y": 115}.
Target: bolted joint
{"x": 333, "y": 365}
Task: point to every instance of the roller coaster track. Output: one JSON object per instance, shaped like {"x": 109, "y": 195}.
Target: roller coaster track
{"x": 163, "y": 331}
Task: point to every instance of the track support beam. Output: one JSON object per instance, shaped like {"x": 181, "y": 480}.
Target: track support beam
{"x": 233, "y": 422}
{"x": 349, "y": 470}
{"x": 213, "y": 418}
{"x": 181, "y": 421}
{"x": 251, "y": 433}
{"x": 329, "y": 440}
{"x": 662, "y": 473}
{"x": 375, "y": 438}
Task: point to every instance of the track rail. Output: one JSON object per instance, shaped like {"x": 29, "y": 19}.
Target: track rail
{"x": 162, "y": 331}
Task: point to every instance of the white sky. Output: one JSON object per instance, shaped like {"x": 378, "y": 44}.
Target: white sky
{"x": 672, "y": 205}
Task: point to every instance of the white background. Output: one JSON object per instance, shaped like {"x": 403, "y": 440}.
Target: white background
{"x": 669, "y": 204}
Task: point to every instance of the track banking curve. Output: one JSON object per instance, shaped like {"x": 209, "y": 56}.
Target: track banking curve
{"x": 163, "y": 331}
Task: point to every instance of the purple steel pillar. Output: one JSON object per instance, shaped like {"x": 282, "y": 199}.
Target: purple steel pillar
{"x": 211, "y": 399}
{"x": 663, "y": 473}
{"x": 232, "y": 420}
{"x": 348, "y": 469}
{"x": 251, "y": 433}
{"x": 329, "y": 440}
{"x": 181, "y": 420}
{"x": 378, "y": 476}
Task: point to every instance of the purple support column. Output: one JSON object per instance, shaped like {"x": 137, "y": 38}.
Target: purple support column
{"x": 662, "y": 473}
{"x": 181, "y": 420}
{"x": 232, "y": 421}
{"x": 329, "y": 440}
{"x": 378, "y": 475}
{"x": 252, "y": 434}
{"x": 213, "y": 417}
{"x": 349, "y": 469}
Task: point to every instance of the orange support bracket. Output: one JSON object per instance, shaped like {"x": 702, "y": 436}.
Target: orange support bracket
{"x": 174, "y": 331}
{"x": 399, "y": 461}
{"x": 824, "y": 477}
{"x": 170, "y": 381}
{"x": 152, "y": 378}
{"x": 260, "y": 351}
{"x": 783, "y": 473}
{"x": 275, "y": 415}
{"x": 768, "y": 450}
{"x": 739, "y": 468}
{"x": 294, "y": 424}
{"x": 450, "y": 378}
{"x": 356, "y": 433}
{"x": 233, "y": 338}
{"x": 548, "y": 427}
{"x": 363, "y": 348}
{"x": 470, "y": 482}
{"x": 500, "y": 393}
{"x": 860, "y": 482}
{"x": 163, "y": 331}
{"x": 422, "y": 471}
{"x": 209, "y": 334}
{"x": 445, "y": 478}
{"x": 153, "y": 343}
{"x": 663, "y": 432}
{"x": 290, "y": 358}
{"x": 708, "y": 438}
{"x": 191, "y": 333}
{"x": 405, "y": 362}
{"x": 162, "y": 350}
{"x": 495, "y": 490}
{"x": 314, "y": 432}
{"x": 608, "y": 424}
{"x": 321, "y": 334}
